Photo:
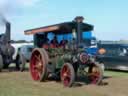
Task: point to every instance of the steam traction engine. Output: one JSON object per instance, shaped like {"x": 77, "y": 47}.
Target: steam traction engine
{"x": 7, "y": 50}
{"x": 67, "y": 60}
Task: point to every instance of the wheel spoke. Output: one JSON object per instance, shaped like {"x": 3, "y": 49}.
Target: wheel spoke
{"x": 37, "y": 75}
{"x": 93, "y": 74}
{"x": 67, "y": 75}
{"x": 40, "y": 57}
{"x": 37, "y": 65}
{"x": 37, "y": 58}
{"x": 66, "y": 72}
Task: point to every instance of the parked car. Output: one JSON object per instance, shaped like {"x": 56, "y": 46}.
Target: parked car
{"x": 116, "y": 56}
{"x": 22, "y": 54}
{"x": 26, "y": 51}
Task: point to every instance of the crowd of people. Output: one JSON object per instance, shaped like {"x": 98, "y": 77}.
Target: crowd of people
{"x": 54, "y": 43}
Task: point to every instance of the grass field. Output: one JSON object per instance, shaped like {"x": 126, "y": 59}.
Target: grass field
{"x": 21, "y": 84}
{"x": 116, "y": 73}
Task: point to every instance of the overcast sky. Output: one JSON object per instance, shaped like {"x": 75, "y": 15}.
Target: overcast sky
{"x": 110, "y": 17}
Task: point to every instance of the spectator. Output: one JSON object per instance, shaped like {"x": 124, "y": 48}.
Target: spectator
{"x": 54, "y": 42}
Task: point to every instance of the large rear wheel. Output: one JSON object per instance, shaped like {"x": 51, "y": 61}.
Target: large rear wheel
{"x": 38, "y": 64}
{"x": 67, "y": 75}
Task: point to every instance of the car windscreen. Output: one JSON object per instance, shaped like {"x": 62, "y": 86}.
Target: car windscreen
{"x": 29, "y": 49}
{"x": 115, "y": 51}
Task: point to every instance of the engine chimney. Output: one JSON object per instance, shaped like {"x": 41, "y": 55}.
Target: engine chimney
{"x": 8, "y": 31}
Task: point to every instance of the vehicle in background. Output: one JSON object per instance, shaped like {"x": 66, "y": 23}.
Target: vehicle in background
{"x": 6, "y": 49}
{"x": 17, "y": 46}
{"x": 93, "y": 48}
{"x": 26, "y": 51}
{"x": 22, "y": 54}
{"x": 115, "y": 57}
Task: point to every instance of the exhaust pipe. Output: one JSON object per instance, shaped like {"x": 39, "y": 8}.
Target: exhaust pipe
{"x": 8, "y": 31}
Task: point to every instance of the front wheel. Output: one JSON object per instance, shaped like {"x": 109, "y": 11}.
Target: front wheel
{"x": 67, "y": 75}
{"x": 95, "y": 73}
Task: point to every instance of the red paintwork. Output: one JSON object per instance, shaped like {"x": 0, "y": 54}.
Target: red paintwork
{"x": 45, "y": 46}
{"x": 84, "y": 58}
{"x": 35, "y": 68}
{"x": 94, "y": 77}
{"x": 66, "y": 75}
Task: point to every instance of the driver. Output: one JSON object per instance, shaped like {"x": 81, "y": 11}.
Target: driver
{"x": 54, "y": 42}
{"x": 63, "y": 43}
{"x": 45, "y": 42}
{"x": 73, "y": 44}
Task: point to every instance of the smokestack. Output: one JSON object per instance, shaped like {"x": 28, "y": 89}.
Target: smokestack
{"x": 8, "y": 31}
{"x": 79, "y": 21}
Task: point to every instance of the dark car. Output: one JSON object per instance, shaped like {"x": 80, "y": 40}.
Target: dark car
{"x": 116, "y": 56}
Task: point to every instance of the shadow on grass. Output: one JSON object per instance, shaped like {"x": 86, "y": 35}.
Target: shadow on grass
{"x": 81, "y": 81}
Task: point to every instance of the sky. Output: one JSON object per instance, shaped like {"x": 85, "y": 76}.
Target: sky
{"x": 109, "y": 17}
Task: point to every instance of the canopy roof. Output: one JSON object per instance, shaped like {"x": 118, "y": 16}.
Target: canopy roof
{"x": 61, "y": 28}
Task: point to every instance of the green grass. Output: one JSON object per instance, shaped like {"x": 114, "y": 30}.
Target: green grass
{"x": 21, "y": 84}
{"x": 106, "y": 73}
{"x": 115, "y": 73}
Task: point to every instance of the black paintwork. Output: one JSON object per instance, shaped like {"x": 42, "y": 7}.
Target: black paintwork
{"x": 115, "y": 58}
{"x": 6, "y": 50}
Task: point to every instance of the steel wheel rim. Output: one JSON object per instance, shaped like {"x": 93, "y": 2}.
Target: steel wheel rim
{"x": 94, "y": 75}
{"x": 66, "y": 75}
{"x": 36, "y": 66}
